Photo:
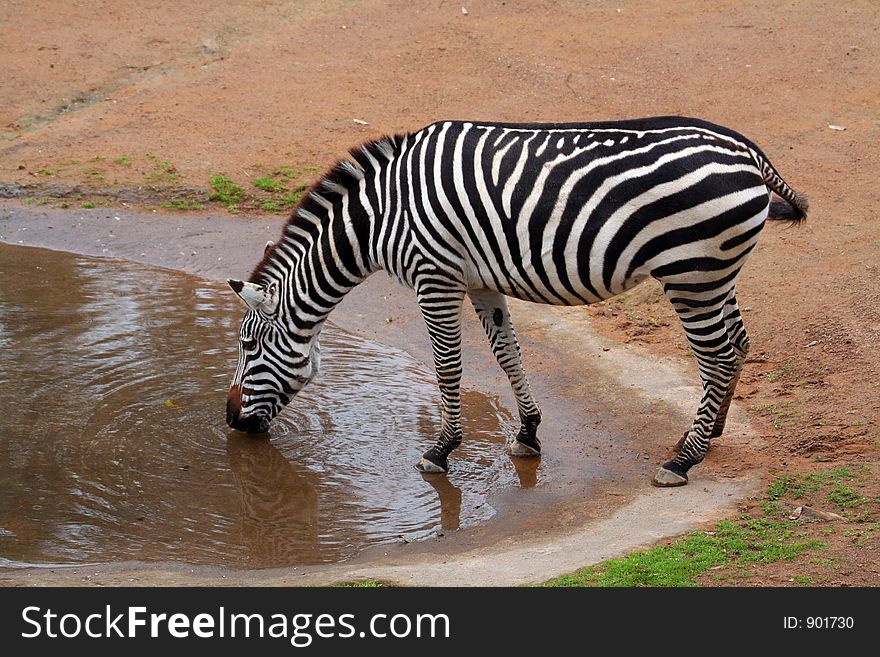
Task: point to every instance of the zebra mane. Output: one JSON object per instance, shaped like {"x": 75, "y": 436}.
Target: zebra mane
{"x": 340, "y": 179}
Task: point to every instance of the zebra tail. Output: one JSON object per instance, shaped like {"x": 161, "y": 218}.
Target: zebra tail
{"x": 794, "y": 206}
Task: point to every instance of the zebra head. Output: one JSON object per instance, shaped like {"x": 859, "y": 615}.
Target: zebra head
{"x": 272, "y": 365}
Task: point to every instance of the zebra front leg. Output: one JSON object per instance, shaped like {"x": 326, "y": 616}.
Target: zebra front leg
{"x": 494, "y": 315}
{"x": 719, "y": 366}
{"x": 442, "y": 312}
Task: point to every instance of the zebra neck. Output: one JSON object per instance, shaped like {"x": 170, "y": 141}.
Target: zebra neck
{"x": 390, "y": 238}
{"x": 327, "y": 247}
{"x": 323, "y": 255}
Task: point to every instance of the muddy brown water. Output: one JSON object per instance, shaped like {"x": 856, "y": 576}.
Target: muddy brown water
{"x": 114, "y": 446}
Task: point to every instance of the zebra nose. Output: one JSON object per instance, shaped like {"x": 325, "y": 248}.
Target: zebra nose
{"x": 231, "y": 416}
{"x": 233, "y": 406}
{"x": 250, "y": 423}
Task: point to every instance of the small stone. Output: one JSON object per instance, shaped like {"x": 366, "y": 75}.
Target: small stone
{"x": 816, "y": 514}
{"x": 839, "y": 128}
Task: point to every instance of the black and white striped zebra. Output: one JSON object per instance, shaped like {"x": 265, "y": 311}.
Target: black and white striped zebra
{"x": 564, "y": 214}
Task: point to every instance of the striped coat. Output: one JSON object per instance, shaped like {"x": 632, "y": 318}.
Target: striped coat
{"x": 564, "y": 214}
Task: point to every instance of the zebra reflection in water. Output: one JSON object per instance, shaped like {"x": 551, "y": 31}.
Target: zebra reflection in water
{"x": 280, "y": 511}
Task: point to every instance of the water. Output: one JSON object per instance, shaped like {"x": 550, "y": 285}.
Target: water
{"x": 114, "y": 446}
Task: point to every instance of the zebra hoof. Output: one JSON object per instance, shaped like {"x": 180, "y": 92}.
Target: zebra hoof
{"x": 517, "y": 448}
{"x": 429, "y": 467}
{"x": 667, "y": 478}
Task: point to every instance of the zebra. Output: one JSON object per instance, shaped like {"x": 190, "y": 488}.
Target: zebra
{"x": 558, "y": 213}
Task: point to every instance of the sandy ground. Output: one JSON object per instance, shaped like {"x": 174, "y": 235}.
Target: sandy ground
{"x": 145, "y": 104}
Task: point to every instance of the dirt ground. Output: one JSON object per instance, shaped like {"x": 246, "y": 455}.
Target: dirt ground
{"x": 117, "y": 102}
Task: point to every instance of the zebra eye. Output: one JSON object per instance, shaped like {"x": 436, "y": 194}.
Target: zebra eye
{"x": 249, "y": 345}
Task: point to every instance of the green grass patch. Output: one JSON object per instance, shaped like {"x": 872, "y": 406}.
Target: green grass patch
{"x": 282, "y": 198}
{"x": 837, "y": 487}
{"x": 285, "y": 171}
{"x": 277, "y": 191}
{"x": 226, "y": 191}
{"x": 367, "y": 584}
{"x": 294, "y": 197}
{"x": 289, "y": 172}
{"x": 833, "y": 476}
{"x": 845, "y": 497}
{"x": 735, "y": 548}
{"x": 269, "y": 184}
{"x": 795, "y": 487}
{"x": 681, "y": 562}
{"x": 785, "y": 369}
{"x": 771, "y": 508}
{"x": 95, "y": 203}
{"x": 165, "y": 172}
{"x": 777, "y": 413}
{"x": 161, "y": 178}
{"x": 182, "y": 204}
{"x": 122, "y": 160}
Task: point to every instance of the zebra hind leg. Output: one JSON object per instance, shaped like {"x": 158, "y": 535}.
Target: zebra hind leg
{"x": 739, "y": 339}
{"x": 494, "y": 315}
{"x": 442, "y": 312}
{"x": 736, "y": 333}
{"x": 719, "y": 363}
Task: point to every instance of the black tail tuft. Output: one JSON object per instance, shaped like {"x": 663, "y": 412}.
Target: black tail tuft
{"x": 796, "y": 213}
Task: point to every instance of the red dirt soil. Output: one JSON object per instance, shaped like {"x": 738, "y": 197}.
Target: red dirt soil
{"x": 242, "y": 88}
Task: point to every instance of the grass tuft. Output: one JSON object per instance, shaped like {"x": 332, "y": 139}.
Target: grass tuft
{"x": 226, "y": 191}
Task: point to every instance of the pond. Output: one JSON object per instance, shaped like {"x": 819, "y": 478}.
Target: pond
{"x": 114, "y": 445}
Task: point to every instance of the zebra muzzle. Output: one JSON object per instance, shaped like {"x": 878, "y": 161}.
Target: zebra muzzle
{"x": 257, "y": 423}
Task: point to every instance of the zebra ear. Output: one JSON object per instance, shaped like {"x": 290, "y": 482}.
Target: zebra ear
{"x": 256, "y": 297}
{"x": 268, "y": 246}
